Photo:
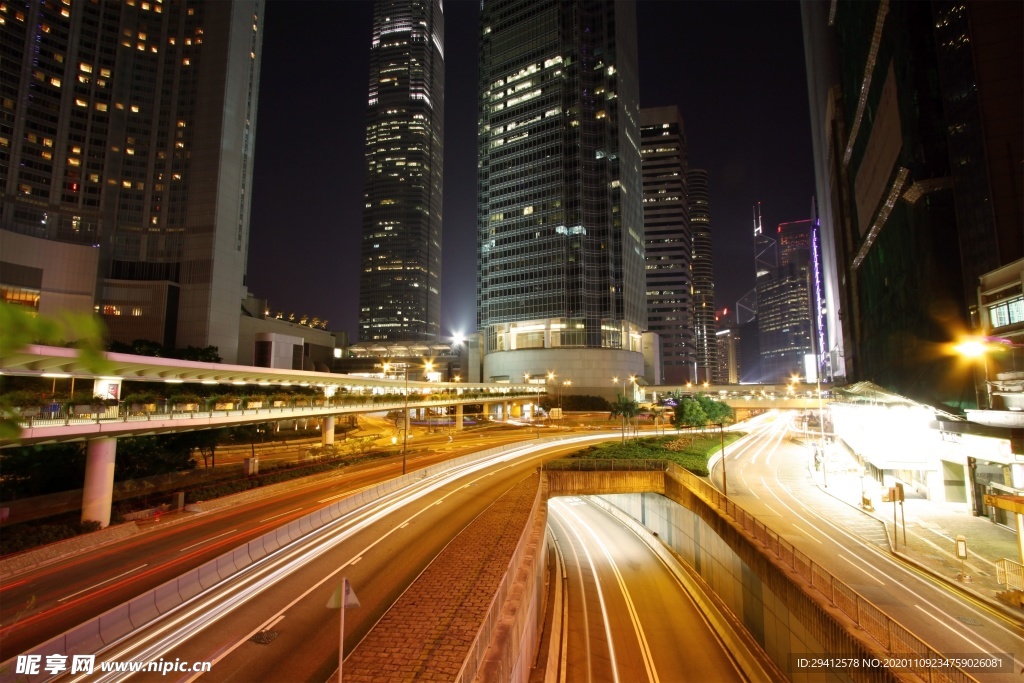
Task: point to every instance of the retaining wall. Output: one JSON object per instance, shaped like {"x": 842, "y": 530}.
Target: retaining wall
{"x": 790, "y": 605}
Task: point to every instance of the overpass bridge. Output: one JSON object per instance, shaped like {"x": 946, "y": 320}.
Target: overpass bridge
{"x": 792, "y": 396}
{"x": 100, "y": 425}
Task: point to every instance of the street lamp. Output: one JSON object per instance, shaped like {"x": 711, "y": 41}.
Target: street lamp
{"x": 973, "y": 348}
{"x": 405, "y": 414}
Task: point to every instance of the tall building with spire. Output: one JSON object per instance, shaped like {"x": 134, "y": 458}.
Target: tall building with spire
{"x": 400, "y": 282}
{"x": 704, "y": 338}
{"x": 560, "y": 284}
{"x": 126, "y": 157}
{"x": 667, "y": 241}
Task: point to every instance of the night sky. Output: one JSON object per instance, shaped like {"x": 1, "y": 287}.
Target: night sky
{"x": 735, "y": 69}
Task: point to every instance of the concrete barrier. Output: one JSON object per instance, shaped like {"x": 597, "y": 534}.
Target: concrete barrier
{"x": 166, "y": 596}
{"x": 142, "y": 609}
{"x": 115, "y": 624}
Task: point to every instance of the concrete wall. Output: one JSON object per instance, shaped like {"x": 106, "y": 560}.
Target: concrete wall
{"x": 784, "y": 613}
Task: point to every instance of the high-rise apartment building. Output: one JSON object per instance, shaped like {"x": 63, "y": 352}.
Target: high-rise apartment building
{"x": 400, "y": 283}
{"x": 560, "y": 285}
{"x": 667, "y": 241}
{"x": 703, "y": 275}
{"x": 126, "y": 156}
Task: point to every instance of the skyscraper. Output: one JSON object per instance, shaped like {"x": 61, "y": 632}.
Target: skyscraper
{"x": 126, "y": 156}
{"x": 915, "y": 111}
{"x": 400, "y": 283}
{"x": 784, "y": 305}
{"x": 667, "y": 241}
{"x": 560, "y": 285}
{"x": 703, "y": 275}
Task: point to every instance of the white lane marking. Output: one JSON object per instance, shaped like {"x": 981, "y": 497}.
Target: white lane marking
{"x": 348, "y": 493}
{"x": 404, "y": 525}
{"x": 273, "y": 622}
{"x": 979, "y": 648}
{"x": 279, "y": 515}
{"x": 583, "y": 600}
{"x": 84, "y": 590}
{"x": 355, "y": 560}
{"x": 805, "y": 533}
{"x": 600, "y": 599}
{"x": 857, "y": 566}
{"x": 207, "y": 540}
{"x": 772, "y": 509}
{"x": 876, "y": 554}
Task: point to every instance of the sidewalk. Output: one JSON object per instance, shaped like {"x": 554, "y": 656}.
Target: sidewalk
{"x": 930, "y": 532}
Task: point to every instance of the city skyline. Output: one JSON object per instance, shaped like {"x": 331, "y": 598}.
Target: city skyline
{"x": 313, "y": 217}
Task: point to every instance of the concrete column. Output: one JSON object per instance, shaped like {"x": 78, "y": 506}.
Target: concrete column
{"x": 506, "y": 411}
{"x": 99, "y": 480}
{"x": 458, "y": 417}
{"x": 327, "y": 431}
{"x": 1020, "y": 537}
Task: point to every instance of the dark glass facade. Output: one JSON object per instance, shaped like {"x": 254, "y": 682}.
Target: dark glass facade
{"x": 784, "y": 305}
{"x": 560, "y": 226}
{"x": 704, "y": 340}
{"x": 667, "y": 241}
{"x": 400, "y": 283}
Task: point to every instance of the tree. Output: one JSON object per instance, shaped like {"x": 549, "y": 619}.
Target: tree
{"x": 716, "y": 411}
{"x": 37, "y": 470}
{"x": 689, "y": 413}
{"x": 626, "y": 408}
{"x": 20, "y": 327}
{"x": 145, "y": 456}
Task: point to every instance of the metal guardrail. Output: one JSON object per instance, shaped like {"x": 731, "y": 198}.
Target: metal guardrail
{"x": 65, "y": 415}
{"x": 883, "y": 629}
{"x": 1010, "y": 574}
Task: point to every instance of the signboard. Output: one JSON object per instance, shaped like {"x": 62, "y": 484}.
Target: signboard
{"x": 555, "y": 413}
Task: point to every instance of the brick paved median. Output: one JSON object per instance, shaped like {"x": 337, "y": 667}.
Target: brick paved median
{"x": 427, "y": 634}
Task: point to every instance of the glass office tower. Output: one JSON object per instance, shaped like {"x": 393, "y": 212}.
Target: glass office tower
{"x": 560, "y": 285}
{"x": 126, "y": 157}
{"x": 703, "y": 276}
{"x": 400, "y": 283}
{"x": 667, "y": 241}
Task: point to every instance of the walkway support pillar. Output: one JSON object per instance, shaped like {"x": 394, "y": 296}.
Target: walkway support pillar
{"x": 506, "y": 410}
{"x": 98, "y": 491}
{"x": 327, "y": 431}
{"x": 458, "y": 417}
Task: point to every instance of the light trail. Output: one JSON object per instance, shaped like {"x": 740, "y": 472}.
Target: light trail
{"x": 554, "y": 506}
{"x": 190, "y": 618}
{"x": 97, "y": 585}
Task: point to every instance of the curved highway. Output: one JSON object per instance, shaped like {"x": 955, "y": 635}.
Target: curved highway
{"x": 630, "y": 620}
{"x": 381, "y": 549}
{"x": 769, "y": 477}
{"x": 37, "y": 605}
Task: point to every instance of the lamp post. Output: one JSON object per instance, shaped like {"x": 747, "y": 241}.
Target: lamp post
{"x": 636, "y": 424}
{"x": 725, "y": 481}
{"x": 405, "y": 414}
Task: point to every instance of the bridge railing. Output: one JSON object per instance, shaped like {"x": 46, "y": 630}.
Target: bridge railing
{"x": 63, "y": 414}
{"x": 884, "y": 630}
